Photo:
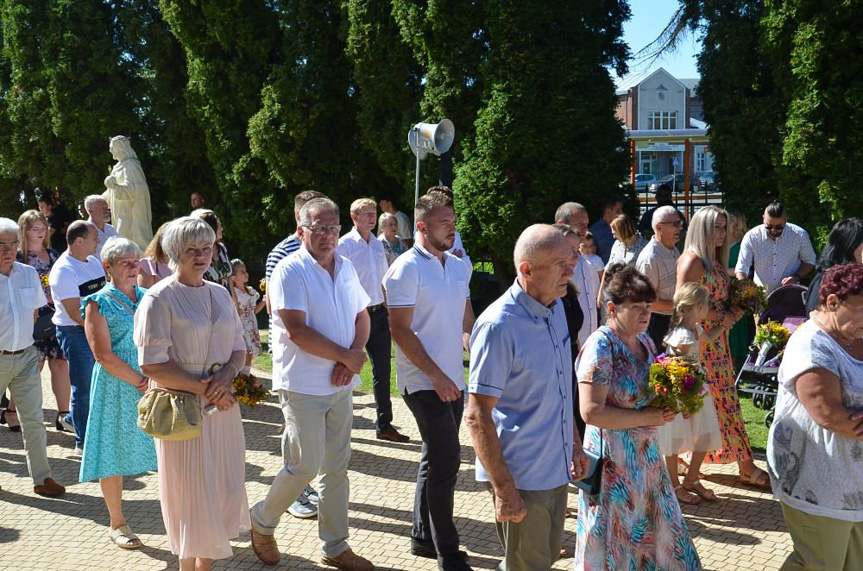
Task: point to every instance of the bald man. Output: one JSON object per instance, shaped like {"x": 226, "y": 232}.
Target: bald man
{"x": 520, "y": 407}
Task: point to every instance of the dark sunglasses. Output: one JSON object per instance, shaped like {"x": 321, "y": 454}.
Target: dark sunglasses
{"x": 771, "y": 227}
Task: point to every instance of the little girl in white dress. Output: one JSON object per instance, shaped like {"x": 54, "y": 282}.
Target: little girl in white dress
{"x": 249, "y": 303}
{"x": 699, "y": 432}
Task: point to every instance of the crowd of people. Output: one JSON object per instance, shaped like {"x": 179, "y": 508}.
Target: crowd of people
{"x": 556, "y": 390}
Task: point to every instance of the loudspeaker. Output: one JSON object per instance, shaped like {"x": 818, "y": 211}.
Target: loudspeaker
{"x": 435, "y": 138}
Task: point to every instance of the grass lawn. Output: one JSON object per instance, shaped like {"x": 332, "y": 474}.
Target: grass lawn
{"x": 754, "y": 417}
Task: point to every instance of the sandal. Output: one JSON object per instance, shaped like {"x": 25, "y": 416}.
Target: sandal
{"x": 4, "y": 420}
{"x": 683, "y": 468}
{"x": 755, "y": 479}
{"x": 123, "y": 538}
{"x": 696, "y": 487}
{"x": 686, "y": 497}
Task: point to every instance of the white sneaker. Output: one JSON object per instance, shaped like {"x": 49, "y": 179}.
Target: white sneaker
{"x": 312, "y": 495}
{"x": 79, "y": 452}
{"x": 303, "y": 508}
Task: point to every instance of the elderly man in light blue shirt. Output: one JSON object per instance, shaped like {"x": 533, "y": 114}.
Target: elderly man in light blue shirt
{"x": 520, "y": 408}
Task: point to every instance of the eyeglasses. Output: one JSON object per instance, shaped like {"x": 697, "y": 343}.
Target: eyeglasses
{"x": 321, "y": 229}
{"x": 778, "y": 227}
{"x": 9, "y": 245}
{"x": 676, "y": 223}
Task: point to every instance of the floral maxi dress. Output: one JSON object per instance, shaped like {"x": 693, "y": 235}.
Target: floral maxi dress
{"x": 247, "y": 299}
{"x": 634, "y": 522}
{"x": 716, "y": 359}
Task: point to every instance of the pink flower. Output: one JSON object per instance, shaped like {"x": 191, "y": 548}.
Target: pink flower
{"x": 688, "y": 382}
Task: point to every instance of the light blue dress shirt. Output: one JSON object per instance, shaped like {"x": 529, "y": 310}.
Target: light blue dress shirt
{"x": 520, "y": 354}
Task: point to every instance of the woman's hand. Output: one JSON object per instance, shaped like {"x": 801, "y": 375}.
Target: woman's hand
{"x": 658, "y": 416}
{"x": 143, "y": 385}
{"x": 219, "y": 384}
{"x": 225, "y": 402}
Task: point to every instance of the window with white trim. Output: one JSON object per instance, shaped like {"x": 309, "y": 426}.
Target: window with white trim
{"x": 662, "y": 120}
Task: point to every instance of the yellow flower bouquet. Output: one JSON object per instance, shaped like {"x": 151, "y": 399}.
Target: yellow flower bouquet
{"x": 677, "y": 384}
{"x": 249, "y": 390}
{"x": 746, "y": 295}
{"x": 770, "y": 335}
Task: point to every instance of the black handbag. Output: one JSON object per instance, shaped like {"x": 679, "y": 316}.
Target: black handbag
{"x": 591, "y": 483}
{"x": 44, "y": 328}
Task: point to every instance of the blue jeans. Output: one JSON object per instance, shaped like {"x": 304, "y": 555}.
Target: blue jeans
{"x": 80, "y": 357}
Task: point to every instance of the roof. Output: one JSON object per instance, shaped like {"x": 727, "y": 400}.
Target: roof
{"x": 636, "y": 78}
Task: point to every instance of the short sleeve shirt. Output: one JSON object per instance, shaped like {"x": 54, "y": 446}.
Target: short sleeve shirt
{"x": 659, "y": 266}
{"x": 520, "y": 354}
{"x": 70, "y": 278}
{"x": 330, "y": 304}
{"x": 813, "y": 469}
{"x": 437, "y": 293}
{"x": 104, "y": 235}
{"x": 20, "y": 296}
{"x": 369, "y": 260}
{"x": 586, "y": 279}
{"x": 777, "y": 259}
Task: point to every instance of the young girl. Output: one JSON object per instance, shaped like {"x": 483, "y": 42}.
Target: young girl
{"x": 700, "y": 432}
{"x": 249, "y": 303}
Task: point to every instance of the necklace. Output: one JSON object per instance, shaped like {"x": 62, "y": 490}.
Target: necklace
{"x": 833, "y": 335}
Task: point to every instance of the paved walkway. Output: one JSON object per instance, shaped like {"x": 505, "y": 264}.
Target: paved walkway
{"x": 742, "y": 531}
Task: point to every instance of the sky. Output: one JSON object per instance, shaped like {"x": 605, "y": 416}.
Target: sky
{"x": 649, "y": 18}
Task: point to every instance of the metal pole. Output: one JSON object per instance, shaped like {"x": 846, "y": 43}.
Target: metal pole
{"x": 417, "y": 187}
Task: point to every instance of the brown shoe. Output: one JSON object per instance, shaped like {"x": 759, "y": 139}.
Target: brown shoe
{"x": 391, "y": 434}
{"x": 349, "y": 561}
{"x": 49, "y": 488}
{"x": 265, "y": 548}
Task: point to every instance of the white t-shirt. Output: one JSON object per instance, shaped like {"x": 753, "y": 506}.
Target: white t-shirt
{"x": 437, "y": 292}
{"x": 369, "y": 260}
{"x": 585, "y": 276}
{"x": 104, "y": 236}
{"x": 71, "y": 278}
{"x": 811, "y": 468}
{"x": 21, "y": 295}
{"x": 331, "y": 306}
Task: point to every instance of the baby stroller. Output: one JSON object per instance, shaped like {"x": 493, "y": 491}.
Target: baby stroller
{"x": 758, "y": 376}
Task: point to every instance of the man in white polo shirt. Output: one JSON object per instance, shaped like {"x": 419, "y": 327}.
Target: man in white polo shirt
{"x": 428, "y": 297}
{"x": 76, "y": 274}
{"x": 320, "y": 326}
{"x": 658, "y": 262}
{"x": 585, "y": 276}
{"x": 21, "y": 296}
{"x": 367, "y": 255}
{"x": 99, "y": 215}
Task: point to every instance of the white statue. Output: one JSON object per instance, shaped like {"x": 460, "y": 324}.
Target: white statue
{"x": 128, "y": 195}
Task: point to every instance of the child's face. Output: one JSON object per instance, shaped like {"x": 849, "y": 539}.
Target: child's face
{"x": 586, "y": 248}
{"x": 240, "y": 275}
{"x": 700, "y": 312}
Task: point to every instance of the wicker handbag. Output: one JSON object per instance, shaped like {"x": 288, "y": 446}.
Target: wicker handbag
{"x": 170, "y": 415}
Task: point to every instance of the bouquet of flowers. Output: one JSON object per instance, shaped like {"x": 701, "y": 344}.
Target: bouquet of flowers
{"x": 744, "y": 294}
{"x": 262, "y": 285}
{"x": 44, "y": 280}
{"x": 249, "y": 390}
{"x": 677, "y": 384}
{"x": 770, "y": 335}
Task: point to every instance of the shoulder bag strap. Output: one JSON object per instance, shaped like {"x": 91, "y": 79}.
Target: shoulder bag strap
{"x": 121, "y": 302}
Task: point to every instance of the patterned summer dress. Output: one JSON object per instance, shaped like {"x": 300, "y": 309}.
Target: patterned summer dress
{"x": 48, "y": 348}
{"x": 247, "y": 299}
{"x": 716, "y": 359}
{"x": 115, "y": 446}
{"x": 634, "y": 522}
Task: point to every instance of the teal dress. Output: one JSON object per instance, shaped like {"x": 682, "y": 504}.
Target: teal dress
{"x": 115, "y": 446}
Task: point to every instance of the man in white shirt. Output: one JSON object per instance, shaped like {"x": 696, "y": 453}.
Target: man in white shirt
{"x": 585, "y": 276}
{"x": 428, "y": 297}
{"x": 99, "y": 215}
{"x": 658, "y": 262}
{"x": 387, "y": 202}
{"x": 320, "y": 326}
{"x": 781, "y": 252}
{"x": 21, "y": 296}
{"x": 369, "y": 258}
{"x": 75, "y": 275}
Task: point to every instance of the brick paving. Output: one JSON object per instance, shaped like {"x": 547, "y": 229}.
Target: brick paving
{"x": 744, "y": 530}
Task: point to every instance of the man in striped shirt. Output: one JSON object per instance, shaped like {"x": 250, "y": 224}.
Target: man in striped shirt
{"x": 305, "y": 506}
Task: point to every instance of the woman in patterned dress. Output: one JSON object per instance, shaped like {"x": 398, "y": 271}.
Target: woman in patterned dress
{"x": 703, "y": 261}
{"x": 34, "y": 251}
{"x": 634, "y": 522}
{"x": 115, "y": 446}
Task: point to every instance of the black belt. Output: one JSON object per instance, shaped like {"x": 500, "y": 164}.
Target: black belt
{"x": 374, "y": 308}
{"x": 18, "y": 352}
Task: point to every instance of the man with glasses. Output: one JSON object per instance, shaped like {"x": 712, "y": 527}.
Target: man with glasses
{"x": 21, "y": 296}
{"x": 428, "y": 298}
{"x": 781, "y": 252}
{"x": 585, "y": 276}
{"x": 320, "y": 326}
{"x": 369, "y": 258}
{"x": 658, "y": 262}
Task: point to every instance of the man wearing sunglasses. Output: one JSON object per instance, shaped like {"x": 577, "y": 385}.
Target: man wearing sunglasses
{"x": 781, "y": 252}
{"x": 658, "y": 262}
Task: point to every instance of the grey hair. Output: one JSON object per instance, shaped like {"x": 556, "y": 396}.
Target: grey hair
{"x": 567, "y": 210}
{"x": 661, "y": 213}
{"x": 119, "y": 247}
{"x": 386, "y": 216}
{"x": 91, "y": 200}
{"x": 316, "y": 205}
{"x": 534, "y": 240}
{"x": 198, "y": 212}
{"x": 8, "y": 226}
{"x": 183, "y": 232}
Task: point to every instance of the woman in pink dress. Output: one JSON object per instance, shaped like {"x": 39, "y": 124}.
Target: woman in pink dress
{"x": 703, "y": 261}
{"x": 190, "y": 339}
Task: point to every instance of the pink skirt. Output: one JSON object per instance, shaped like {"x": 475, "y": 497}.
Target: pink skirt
{"x": 202, "y": 488}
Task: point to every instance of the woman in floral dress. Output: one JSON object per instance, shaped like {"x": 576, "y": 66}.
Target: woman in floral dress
{"x": 634, "y": 522}
{"x": 703, "y": 261}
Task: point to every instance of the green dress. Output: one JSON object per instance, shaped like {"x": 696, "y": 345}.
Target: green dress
{"x": 738, "y": 336}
